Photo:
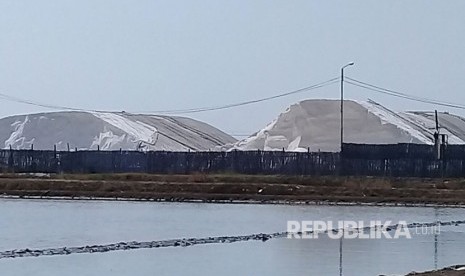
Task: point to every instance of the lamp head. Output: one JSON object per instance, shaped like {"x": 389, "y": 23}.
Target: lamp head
{"x": 348, "y": 64}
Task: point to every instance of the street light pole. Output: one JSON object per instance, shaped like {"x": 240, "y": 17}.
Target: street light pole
{"x": 342, "y": 101}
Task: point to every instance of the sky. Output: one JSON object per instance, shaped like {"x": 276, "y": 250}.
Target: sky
{"x": 148, "y": 55}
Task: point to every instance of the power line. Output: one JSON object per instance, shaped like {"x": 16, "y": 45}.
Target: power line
{"x": 348, "y": 80}
{"x": 30, "y": 102}
{"x": 175, "y": 111}
{"x": 203, "y": 109}
{"x": 382, "y": 90}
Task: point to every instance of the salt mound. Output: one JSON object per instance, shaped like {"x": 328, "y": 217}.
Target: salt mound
{"x": 108, "y": 131}
{"x": 315, "y": 125}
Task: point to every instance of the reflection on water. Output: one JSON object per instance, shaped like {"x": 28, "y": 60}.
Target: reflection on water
{"x": 41, "y": 224}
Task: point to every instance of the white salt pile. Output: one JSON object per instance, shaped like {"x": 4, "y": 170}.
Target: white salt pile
{"x": 315, "y": 125}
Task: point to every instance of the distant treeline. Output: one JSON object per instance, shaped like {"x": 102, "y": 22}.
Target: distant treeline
{"x": 407, "y": 160}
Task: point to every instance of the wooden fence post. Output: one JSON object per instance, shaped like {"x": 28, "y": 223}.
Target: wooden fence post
{"x": 10, "y": 160}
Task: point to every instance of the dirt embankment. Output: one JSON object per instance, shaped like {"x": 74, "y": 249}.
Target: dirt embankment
{"x": 239, "y": 187}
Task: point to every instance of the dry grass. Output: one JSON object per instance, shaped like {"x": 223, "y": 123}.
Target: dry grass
{"x": 230, "y": 186}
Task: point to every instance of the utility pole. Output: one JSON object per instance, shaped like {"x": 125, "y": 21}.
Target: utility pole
{"x": 342, "y": 101}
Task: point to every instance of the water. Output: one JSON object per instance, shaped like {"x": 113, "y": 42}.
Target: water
{"x": 50, "y": 223}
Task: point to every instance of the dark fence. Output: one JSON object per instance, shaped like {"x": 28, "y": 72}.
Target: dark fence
{"x": 416, "y": 160}
{"x": 162, "y": 162}
{"x": 407, "y": 160}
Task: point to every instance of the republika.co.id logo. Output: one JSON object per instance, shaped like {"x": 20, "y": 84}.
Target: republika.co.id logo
{"x": 375, "y": 229}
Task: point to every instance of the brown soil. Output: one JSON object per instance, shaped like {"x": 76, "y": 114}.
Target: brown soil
{"x": 240, "y": 187}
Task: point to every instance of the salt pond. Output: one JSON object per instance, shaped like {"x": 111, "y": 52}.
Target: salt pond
{"x": 37, "y": 224}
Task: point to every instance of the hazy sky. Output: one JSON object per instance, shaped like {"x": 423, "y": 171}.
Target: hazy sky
{"x": 158, "y": 55}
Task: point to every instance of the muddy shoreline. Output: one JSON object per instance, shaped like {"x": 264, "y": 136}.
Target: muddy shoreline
{"x": 239, "y": 189}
